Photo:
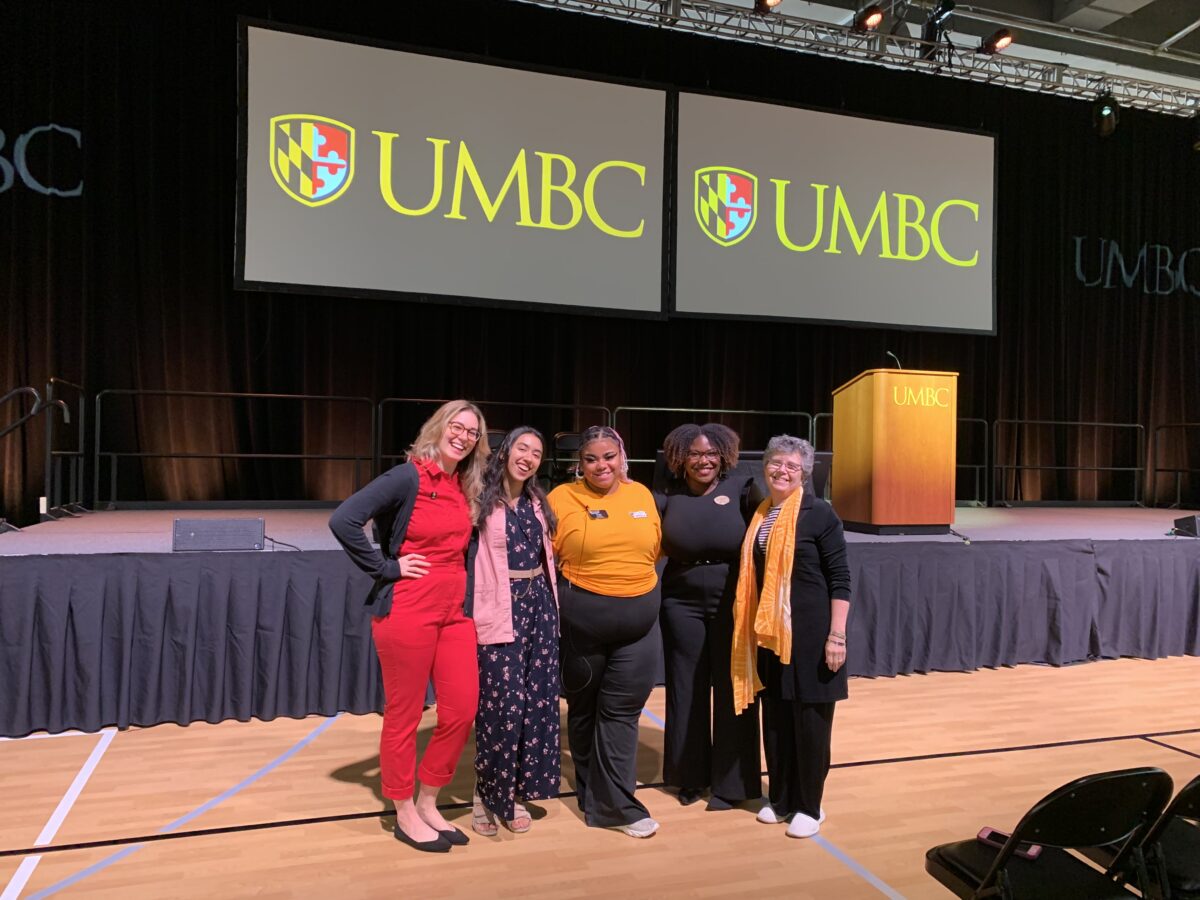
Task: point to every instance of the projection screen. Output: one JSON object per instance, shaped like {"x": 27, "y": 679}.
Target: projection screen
{"x": 369, "y": 169}
{"x": 797, "y": 214}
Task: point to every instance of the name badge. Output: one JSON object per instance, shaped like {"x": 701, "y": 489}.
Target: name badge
{"x": 638, "y": 514}
{"x": 598, "y": 513}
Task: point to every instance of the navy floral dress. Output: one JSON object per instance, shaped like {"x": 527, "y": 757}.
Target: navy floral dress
{"x": 516, "y": 727}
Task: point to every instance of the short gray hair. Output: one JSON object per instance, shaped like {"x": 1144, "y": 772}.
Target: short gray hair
{"x": 784, "y": 444}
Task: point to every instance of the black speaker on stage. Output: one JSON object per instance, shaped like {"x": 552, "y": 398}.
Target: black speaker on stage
{"x": 217, "y": 534}
{"x": 1188, "y": 526}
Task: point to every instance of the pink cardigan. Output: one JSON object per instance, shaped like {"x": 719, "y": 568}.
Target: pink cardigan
{"x": 493, "y": 593}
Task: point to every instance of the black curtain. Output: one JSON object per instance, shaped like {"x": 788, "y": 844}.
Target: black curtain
{"x": 130, "y": 284}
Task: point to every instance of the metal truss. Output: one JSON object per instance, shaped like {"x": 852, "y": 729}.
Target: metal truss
{"x": 892, "y": 50}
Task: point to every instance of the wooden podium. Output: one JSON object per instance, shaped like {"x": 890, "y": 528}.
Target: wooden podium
{"x": 893, "y": 451}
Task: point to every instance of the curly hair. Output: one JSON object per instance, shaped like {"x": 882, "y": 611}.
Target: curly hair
{"x": 785, "y": 444}
{"x": 470, "y": 469}
{"x": 723, "y": 439}
{"x": 493, "y": 479}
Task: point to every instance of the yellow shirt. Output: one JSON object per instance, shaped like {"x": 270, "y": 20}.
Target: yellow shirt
{"x": 607, "y": 544}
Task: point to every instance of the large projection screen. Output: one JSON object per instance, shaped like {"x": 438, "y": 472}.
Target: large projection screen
{"x": 369, "y": 169}
{"x": 797, "y": 214}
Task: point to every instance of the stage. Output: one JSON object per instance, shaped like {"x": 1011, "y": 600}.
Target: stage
{"x": 149, "y": 531}
{"x": 101, "y": 624}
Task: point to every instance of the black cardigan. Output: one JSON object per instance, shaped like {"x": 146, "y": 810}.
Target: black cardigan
{"x": 389, "y": 501}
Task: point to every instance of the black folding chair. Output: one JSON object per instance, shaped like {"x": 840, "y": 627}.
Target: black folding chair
{"x": 1171, "y": 848}
{"x": 566, "y": 456}
{"x": 1112, "y": 808}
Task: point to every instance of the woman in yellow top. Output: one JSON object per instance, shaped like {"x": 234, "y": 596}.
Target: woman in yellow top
{"x": 606, "y": 545}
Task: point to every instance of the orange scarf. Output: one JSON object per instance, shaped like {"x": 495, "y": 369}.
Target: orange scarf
{"x": 764, "y": 620}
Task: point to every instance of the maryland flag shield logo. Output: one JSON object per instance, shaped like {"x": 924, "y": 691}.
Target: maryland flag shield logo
{"x": 312, "y": 157}
{"x": 726, "y": 203}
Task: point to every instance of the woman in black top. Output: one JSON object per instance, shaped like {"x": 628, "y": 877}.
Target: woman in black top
{"x": 704, "y": 512}
{"x": 799, "y": 695}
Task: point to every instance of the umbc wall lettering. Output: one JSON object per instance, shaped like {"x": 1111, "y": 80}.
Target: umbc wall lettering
{"x": 906, "y": 210}
{"x": 556, "y": 175}
{"x": 18, "y": 167}
{"x": 1154, "y": 268}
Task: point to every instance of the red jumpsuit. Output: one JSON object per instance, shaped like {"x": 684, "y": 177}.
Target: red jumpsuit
{"x": 424, "y": 635}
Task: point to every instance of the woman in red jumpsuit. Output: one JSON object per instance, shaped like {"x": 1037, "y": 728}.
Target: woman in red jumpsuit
{"x": 423, "y": 512}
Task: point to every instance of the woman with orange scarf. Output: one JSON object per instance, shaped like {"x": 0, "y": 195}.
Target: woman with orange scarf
{"x": 789, "y": 633}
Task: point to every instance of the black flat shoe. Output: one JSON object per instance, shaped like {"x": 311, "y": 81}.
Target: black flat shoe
{"x": 438, "y": 845}
{"x": 687, "y": 796}
{"x": 718, "y": 804}
{"x": 454, "y": 836}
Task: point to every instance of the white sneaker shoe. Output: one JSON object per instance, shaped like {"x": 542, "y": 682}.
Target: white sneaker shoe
{"x": 767, "y": 815}
{"x": 642, "y": 828}
{"x": 803, "y": 826}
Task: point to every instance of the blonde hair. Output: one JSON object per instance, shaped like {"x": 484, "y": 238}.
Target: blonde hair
{"x": 470, "y": 470}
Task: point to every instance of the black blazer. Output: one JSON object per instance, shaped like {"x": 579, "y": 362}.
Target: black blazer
{"x": 389, "y": 501}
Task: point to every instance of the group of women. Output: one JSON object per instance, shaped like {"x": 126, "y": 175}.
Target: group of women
{"x": 499, "y": 593}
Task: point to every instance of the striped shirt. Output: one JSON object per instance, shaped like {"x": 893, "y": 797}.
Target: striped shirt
{"x": 764, "y": 530}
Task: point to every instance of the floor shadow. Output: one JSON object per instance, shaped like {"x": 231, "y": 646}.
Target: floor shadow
{"x": 366, "y": 773}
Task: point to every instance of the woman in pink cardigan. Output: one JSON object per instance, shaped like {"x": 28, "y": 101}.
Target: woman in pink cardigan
{"x": 516, "y": 622}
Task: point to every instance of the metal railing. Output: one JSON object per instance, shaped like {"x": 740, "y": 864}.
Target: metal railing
{"x": 1158, "y": 469}
{"x": 65, "y": 475}
{"x": 114, "y": 455}
{"x": 39, "y": 406}
{"x": 76, "y": 460}
{"x": 1000, "y": 470}
{"x": 979, "y": 470}
{"x": 816, "y": 431}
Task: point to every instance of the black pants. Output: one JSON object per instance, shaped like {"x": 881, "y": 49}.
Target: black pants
{"x": 609, "y": 648}
{"x": 706, "y": 744}
{"x": 796, "y": 740}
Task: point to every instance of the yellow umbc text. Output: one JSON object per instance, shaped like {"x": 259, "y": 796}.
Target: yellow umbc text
{"x": 928, "y": 396}
{"x": 558, "y": 175}
{"x": 912, "y": 240}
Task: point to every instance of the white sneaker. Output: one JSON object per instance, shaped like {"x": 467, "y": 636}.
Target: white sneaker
{"x": 803, "y": 826}
{"x": 767, "y": 815}
{"x": 642, "y": 828}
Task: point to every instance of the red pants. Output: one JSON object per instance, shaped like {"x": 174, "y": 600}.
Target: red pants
{"x": 426, "y": 634}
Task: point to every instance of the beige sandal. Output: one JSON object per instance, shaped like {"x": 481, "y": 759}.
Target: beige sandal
{"x": 483, "y": 820}
{"x": 521, "y": 820}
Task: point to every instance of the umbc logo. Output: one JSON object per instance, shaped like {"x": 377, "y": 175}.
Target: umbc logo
{"x": 726, "y": 203}
{"x": 899, "y": 226}
{"x": 312, "y": 157}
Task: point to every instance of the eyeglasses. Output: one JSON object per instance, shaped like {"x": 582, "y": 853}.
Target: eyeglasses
{"x": 789, "y": 467}
{"x": 457, "y": 429}
{"x": 710, "y": 455}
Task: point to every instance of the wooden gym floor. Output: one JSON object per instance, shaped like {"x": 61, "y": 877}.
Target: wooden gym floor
{"x": 292, "y": 808}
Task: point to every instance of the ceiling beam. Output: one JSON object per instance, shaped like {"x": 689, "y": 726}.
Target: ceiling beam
{"x": 1094, "y": 15}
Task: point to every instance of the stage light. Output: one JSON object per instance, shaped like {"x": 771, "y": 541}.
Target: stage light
{"x": 1105, "y": 115}
{"x": 935, "y": 27}
{"x": 869, "y": 18}
{"x": 762, "y": 7}
{"x": 999, "y": 41}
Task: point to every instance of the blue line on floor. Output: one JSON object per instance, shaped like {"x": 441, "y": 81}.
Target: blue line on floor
{"x": 653, "y": 718}
{"x": 840, "y": 855}
{"x": 198, "y": 811}
{"x": 856, "y": 867}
